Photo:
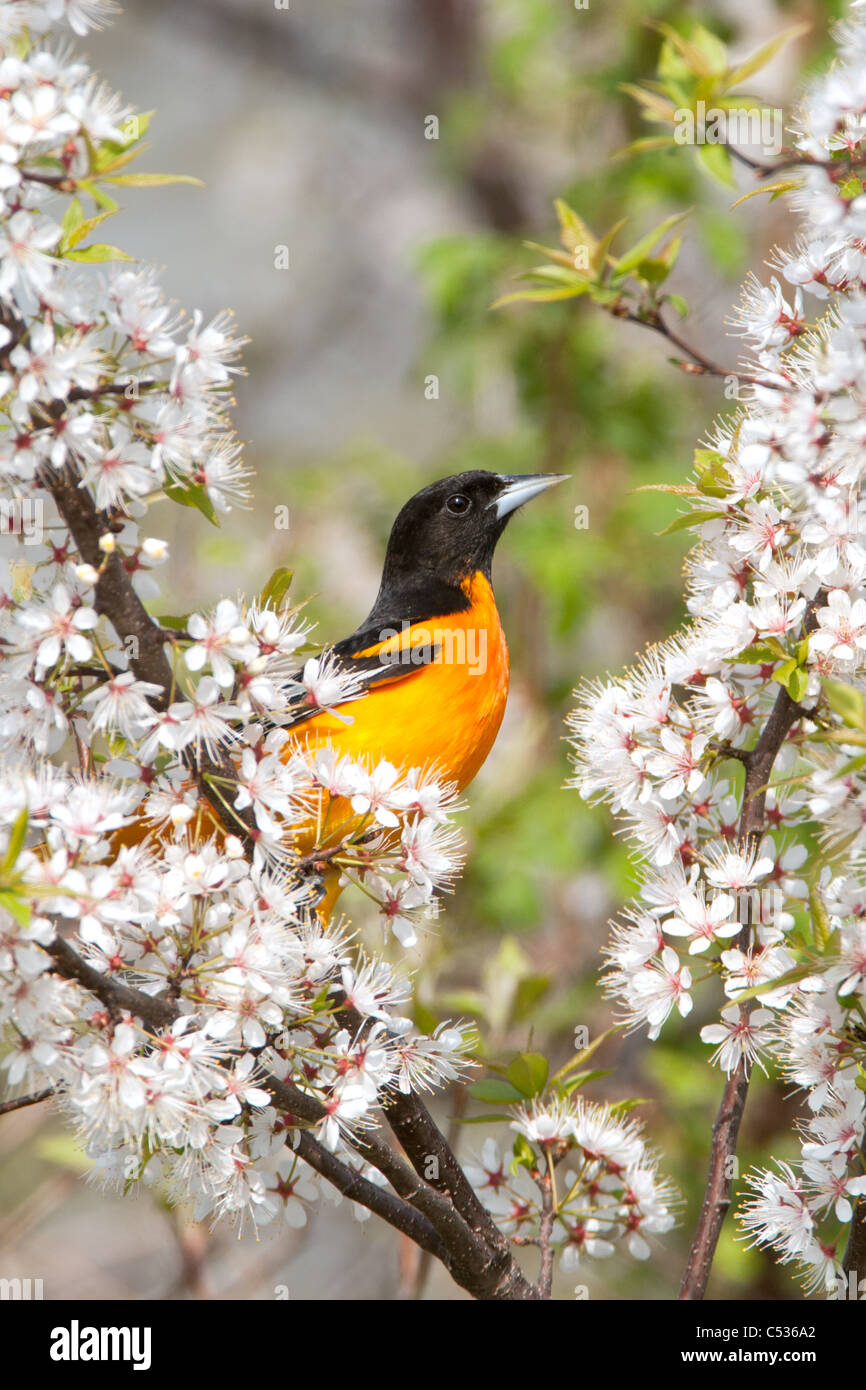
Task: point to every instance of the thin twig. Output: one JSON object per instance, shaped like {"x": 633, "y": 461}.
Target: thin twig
{"x": 22, "y": 1102}
{"x": 420, "y": 1210}
{"x": 854, "y": 1261}
{"x": 765, "y": 169}
{"x": 117, "y": 600}
{"x": 717, "y": 1194}
{"x": 699, "y": 363}
{"x": 545, "y": 1231}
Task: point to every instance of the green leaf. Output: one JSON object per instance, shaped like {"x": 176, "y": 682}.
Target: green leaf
{"x": 717, "y": 163}
{"x": 495, "y": 1091}
{"x": 798, "y": 682}
{"x": 152, "y": 180}
{"x": 73, "y": 218}
{"x": 641, "y": 249}
{"x": 654, "y": 270}
{"x": 656, "y": 107}
{"x": 712, "y": 47}
{"x": 539, "y": 296}
{"x": 603, "y": 248}
{"x": 558, "y": 274}
{"x": 682, "y": 523}
{"x": 703, "y": 53}
{"x": 762, "y": 56}
{"x": 109, "y": 151}
{"x": 16, "y": 841}
{"x": 99, "y": 195}
{"x": 820, "y": 919}
{"x": 80, "y": 229}
{"x": 678, "y": 489}
{"x": 848, "y": 703}
{"x": 142, "y": 121}
{"x": 791, "y": 977}
{"x": 584, "y": 1055}
{"x": 573, "y": 230}
{"x": 175, "y": 622}
{"x": 775, "y": 190}
{"x": 16, "y": 906}
{"x": 99, "y": 252}
{"x": 424, "y": 1019}
{"x": 599, "y": 294}
{"x": 277, "y": 587}
{"x": 709, "y": 458}
{"x": 713, "y": 477}
{"x": 624, "y": 1107}
{"x": 583, "y": 1078}
{"x": 528, "y": 1072}
{"x": 680, "y": 304}
{"x": 192, "y": 495}
{"x": 646, "y": 142}
{"x": 529, "y": 992}
{"x": 523, "y": 1154}
{"x": 761, "y": 652}
{"x": 855, "y": 738}
{"x": 793, "y": 677}
{"x": 462, "y": 1001}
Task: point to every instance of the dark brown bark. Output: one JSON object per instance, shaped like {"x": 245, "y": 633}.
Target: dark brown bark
{"x": 422, "y": 1211}
{"x": 717, "y": 1196}
{"x": 117, "y": 600}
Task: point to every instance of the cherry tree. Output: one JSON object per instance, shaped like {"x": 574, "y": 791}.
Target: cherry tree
{"x": 166, "y": 978}
{"x": 732, "y": 754}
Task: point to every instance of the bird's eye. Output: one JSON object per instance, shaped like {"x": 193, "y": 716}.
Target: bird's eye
{"x": 459, "y": 504}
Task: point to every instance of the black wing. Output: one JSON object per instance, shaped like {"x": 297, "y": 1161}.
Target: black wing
{"x": 366, "y": 672}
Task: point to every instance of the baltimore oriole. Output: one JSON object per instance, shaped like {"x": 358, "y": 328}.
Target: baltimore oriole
{"x": 428, "y": 667}
{"x": 431, "y": 656}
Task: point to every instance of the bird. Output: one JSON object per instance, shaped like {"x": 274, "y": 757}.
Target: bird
{"x": 428, "y": 666}
{"x": 422, "y": 682}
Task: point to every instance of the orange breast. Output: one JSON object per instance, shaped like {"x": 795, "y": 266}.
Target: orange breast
{"x": 447, "y": 712}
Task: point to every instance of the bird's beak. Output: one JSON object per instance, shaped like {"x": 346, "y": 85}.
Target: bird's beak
{"x": 522, "y": 487}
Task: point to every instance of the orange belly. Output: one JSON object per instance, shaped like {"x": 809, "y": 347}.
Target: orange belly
{"x": 446, "y": 713}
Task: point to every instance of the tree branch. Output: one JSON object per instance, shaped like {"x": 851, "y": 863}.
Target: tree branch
{"x": 545, "y": 1281}
{"x": 376, "y": 1199}
{"x": 698, "y": 364}
{"x": 22, "y": 1102}
{"x": 434, "y": 1161}
{"x": 117, "y": 600}
{"x": 117, "y": 997}
{"x": 424, "y": 1213}
{"x": 854, "y": 1261}
{"x": 764, "y": 168}
{"x": 717, "y": 1195}
{"x": 476, "y": 1252}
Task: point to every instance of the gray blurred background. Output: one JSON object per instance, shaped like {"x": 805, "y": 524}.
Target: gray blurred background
{"x": 307, "y": 126}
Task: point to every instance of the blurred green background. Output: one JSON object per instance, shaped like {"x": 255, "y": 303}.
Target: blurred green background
{"x": 308, "y": 127}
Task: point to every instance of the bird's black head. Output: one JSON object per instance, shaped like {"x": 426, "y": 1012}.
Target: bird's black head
{"x": 448, "y": 532}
